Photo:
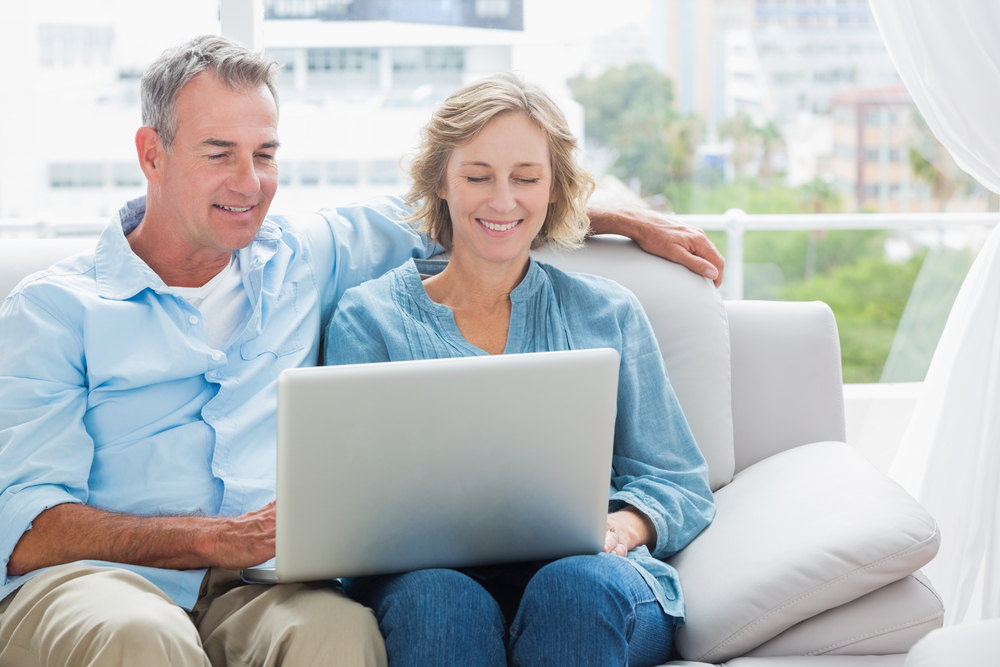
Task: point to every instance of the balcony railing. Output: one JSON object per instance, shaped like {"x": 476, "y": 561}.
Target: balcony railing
{"x": 734, "y": 222}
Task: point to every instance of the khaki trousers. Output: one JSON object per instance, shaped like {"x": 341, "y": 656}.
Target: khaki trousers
{"x": 88, "y": 615}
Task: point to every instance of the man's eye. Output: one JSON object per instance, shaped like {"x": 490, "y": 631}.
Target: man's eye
{"x": 265, "y": 156}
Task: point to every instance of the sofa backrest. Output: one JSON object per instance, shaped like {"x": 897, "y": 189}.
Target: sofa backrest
{"x": 689, "y": 318}
{"x": 19, "y": 257}
{"x": 685, "y": 310}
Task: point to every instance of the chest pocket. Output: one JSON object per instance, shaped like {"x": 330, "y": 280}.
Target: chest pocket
{"x": 282, "y": 322}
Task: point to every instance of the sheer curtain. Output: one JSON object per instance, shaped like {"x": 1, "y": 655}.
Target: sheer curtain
{"x": 948, "y": 55}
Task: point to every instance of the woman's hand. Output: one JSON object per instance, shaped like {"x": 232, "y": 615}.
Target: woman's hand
{"x": 628, "y": 529}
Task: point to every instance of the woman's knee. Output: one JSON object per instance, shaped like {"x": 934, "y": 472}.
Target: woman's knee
{"x": 441, "y": 611}
{"x": 444, "y": 595}
{"x": 578, "y": 580}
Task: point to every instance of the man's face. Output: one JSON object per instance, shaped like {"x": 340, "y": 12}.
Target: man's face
{"x": 218, "y": 181}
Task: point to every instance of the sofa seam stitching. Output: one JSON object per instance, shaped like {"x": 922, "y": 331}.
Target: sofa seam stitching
{"x": 883, "y": 631}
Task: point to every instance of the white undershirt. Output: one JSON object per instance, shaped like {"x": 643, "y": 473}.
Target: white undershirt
{"x": 223, "y": 303}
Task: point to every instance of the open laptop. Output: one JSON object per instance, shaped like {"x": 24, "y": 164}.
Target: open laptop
{"x": 400, "y": 466}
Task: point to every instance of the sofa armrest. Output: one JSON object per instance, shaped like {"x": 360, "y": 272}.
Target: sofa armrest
{"x": 786, "y": 378}
{"x": 797, "y": 534}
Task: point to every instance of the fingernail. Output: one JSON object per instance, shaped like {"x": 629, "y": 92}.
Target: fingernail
{"x": 711, "y": 273}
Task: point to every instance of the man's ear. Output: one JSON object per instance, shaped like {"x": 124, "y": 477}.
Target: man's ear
{"x": 150, "y": 149}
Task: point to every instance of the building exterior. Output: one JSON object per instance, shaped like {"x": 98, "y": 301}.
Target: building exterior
{"x": 811, "y": 50}
{"x": 871, "y": 164}
{"x": 70, "y": 111}
{"x": 358, "y": 83}
{"x": 688, "y": 43}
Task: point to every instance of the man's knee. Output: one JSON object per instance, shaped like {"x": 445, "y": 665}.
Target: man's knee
{"x": 292, "y": 624}
{"x": 92, "y": 615}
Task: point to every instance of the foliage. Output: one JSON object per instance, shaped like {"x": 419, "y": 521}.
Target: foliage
{"x": 867, "y": 297}
{"x": 629, "y": 110}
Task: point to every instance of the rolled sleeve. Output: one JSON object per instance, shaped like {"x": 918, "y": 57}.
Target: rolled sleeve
{"x": 45, "y": 451}
{"x": 17, "y": 511}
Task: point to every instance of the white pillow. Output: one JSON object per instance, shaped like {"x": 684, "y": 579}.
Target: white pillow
{"x": 801, "y": 532}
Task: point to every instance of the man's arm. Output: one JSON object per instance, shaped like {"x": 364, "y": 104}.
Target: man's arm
{"x": 659, "y": 235}
{"x": 71, "y": 532}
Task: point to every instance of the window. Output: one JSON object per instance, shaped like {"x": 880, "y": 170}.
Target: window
{"x": 76, "y": 175}
{"x": 384, "y": 172}
{"x": 127, "y": 175}
{"x": 309, "y": 173}
{"x": 75, "y": 46}
{"x": 492, "y": 9}
{"x": 342, "y": 173}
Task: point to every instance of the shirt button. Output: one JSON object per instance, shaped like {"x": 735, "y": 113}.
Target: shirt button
{"x": 216, "y": 356}
{"x": 193, "y": 320}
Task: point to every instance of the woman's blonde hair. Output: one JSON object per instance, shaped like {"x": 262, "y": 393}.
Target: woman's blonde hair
{"x": 460, "y": 118}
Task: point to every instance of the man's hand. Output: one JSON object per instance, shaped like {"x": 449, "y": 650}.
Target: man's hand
{"x": 659, "y": 235}
{"x": 68, "y": 533}
{"x": 241, "y": 541}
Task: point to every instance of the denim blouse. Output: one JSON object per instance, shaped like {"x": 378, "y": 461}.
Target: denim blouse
{"x": 656, "y": 465}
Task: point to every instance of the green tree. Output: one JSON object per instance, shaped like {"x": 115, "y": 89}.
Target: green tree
{"x": 629, "y": 110}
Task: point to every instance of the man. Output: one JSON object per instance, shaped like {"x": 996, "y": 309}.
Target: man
{"x": 137, "y": 393}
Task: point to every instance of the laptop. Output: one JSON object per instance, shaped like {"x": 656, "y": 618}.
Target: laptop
{"x": 400, "y": 466}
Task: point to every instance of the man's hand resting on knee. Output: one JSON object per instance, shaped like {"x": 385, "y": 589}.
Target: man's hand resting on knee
{"x": 68, "y": 533}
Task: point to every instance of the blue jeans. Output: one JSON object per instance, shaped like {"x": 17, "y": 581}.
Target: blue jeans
{"x": 583, "y": 610}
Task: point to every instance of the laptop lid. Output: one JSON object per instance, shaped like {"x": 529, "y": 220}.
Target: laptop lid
{"x": 458, "y": 462}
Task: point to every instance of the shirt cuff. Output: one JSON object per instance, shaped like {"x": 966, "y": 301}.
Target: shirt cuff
{"x": 19, "y": 510}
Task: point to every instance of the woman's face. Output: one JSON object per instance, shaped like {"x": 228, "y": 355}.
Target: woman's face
{"x": 498, "y": 188}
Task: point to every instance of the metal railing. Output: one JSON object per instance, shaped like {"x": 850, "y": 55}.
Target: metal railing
{"x": 734, "y": 222}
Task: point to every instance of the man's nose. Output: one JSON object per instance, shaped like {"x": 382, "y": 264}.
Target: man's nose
{"x": 244, "y": 179}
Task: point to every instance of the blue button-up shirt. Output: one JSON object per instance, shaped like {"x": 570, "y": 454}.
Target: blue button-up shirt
{"x": 110, "y": 396}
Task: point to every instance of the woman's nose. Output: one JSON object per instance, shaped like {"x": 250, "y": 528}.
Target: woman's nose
{"x": 502, "y": 200}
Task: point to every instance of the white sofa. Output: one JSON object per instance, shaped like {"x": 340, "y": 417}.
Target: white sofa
{"x": 813, "y": 558}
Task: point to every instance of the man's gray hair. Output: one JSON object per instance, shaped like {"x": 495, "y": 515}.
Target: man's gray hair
{"x": 235, "y": 66}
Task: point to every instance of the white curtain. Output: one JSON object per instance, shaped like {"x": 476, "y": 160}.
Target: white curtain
{"x": 948, "y": 55}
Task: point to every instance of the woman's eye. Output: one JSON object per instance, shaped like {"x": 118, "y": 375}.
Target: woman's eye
{"x": 527, "y": 181}
{"x": 476, "y": 179}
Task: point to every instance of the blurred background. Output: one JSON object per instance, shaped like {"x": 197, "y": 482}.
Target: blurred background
{"x": 779, "y": 125}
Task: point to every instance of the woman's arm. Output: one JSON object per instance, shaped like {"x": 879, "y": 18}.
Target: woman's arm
{"x": 658, "y": 470}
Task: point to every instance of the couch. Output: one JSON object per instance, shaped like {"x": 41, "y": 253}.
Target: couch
{"x": 814, "y": 556}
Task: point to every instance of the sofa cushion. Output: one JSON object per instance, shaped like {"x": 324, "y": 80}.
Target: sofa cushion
{"x": 19, "y": 258}
{"x": 689, "y": 318}
{"x": 887, "y": 621}
{"x": 801, "y": 532}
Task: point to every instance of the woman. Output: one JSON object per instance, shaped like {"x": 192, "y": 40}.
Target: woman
{"x": 495, "y": 175}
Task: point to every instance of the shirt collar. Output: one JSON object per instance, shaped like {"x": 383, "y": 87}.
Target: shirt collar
{"x": 120, "y": 273}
